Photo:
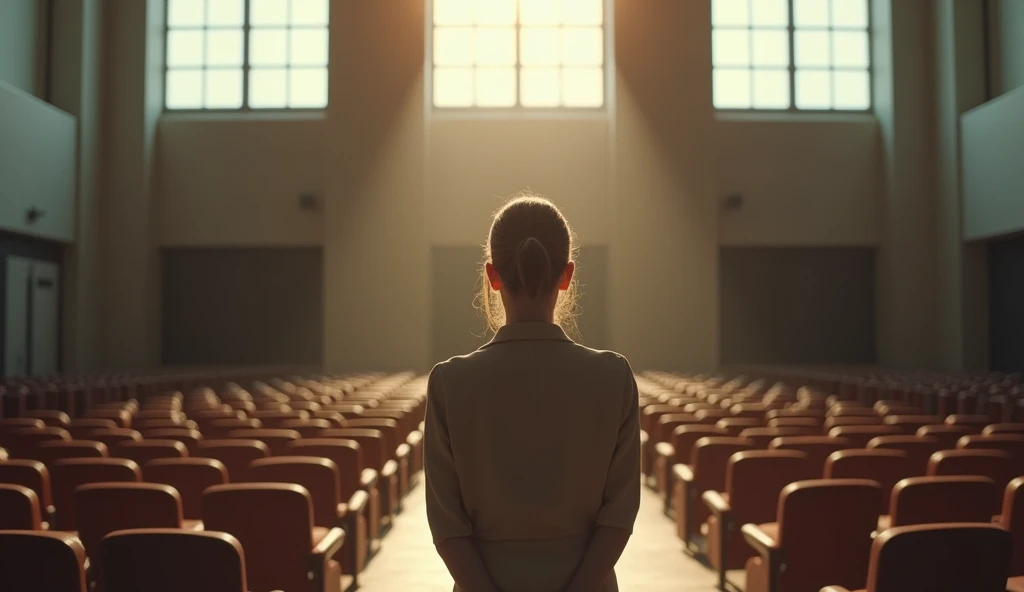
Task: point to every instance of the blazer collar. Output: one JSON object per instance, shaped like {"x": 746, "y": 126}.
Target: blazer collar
{"x": 531, "y": 331}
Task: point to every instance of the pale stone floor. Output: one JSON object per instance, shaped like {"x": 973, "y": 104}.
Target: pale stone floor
{"x": 653, "y": 561}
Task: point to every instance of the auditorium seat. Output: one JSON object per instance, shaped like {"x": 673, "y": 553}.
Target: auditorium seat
{"x": 804, "y": 413}
{"x": 974, "y": 424}
{"x": 142, "y": 451}
{"x": 37, "y": 560}
{"x": 51, "y": 418}
{"x": 35, "y": 476}
{"x": 121, "y": 417}
{"x": 811, "y": 545}
{"x": 837, "y": 421}
{"x": 276, "y": 439}
{"x": 11, "y": 423}
{"x": 885, "y": 467}
{"x": 850, "y": 410}
{"x": 1012, "y": 519}
{"x": 337, "y": 420}
{"x": 371, "y": 445}
{"x": 166, "y": 413}
{"x": 283, "y": 549}
{"x": 910, "y": 424}
{"x": 678, "y": 450}
{"x": 68, "y": 475}
{"x": 733, "y": 426}
{"x": 860, "y": 435}
{"x": 103, "y": 508}
{"x": 190, "y": 477}
{"x": 190, "y": 438}
{"x": 1003, "y": 428}
{"x": 19, "y": 508}
{"x": 152, "y": 560}
{"x": 114, "y": 437}
{"x": 810, "y": 423}
{"x": 938, "y": 558}
{"x": 395, "y": 447}
{"x": 48, "y": 452}
{"x": 930, "y": 500}
{"x": 307, "y": 428}
{"x": 919, "y": 449}
{"x": 144, "y": 425}
{"x": 706, "y": 472}
{"x": 817, "y": 448}
{"x": 1011, "y": 443}
{"x": 81, "y": 427}
{"x": 273, "y": 419}
{"x": 19, "y": 441}
{"x": 762, "y": 437}
{"x": 997, "y": 465}
{"x": 234, "y": 454}
{"x": 220, "y": 428}
{"x": 754, "y": 479}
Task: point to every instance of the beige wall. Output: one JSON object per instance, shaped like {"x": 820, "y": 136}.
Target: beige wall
{"x": 19, "y": 49}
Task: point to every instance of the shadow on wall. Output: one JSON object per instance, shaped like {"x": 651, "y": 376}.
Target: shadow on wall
{"x": 1006, "y": 304}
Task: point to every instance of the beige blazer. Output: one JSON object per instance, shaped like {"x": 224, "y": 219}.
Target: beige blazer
{"x": 530, "y": 443}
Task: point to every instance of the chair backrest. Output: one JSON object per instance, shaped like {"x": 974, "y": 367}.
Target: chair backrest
{"x": 190, "y": 476}
{"x": 79, "y": 428}
{"x": 144, "y": 425}
{"x": 685, "y": 437}
{"x": 274, "y": 419}
{"x": 52, "y": 418}
{"x": 1011, "y": 443}
{"x": 276, "y": 439}
{"x": 1003, "y": 428}
{"x": 121, "y": 417}
{"x": 919, "y": 449}
{"x": 754, "y": 411}
{"x": 307, "y": 428}
{"x": 31, "y": 474}
{"x": 734, "y": 426}
{"x": 1012, "y": 519}
{"x": 19, "y": 508}
{"x": 143, "y": 451}
{"x": 710, "y": 460}
{"x": 114, "y": 437}
{"x": 795, "y": 422}
{"x": 837, "y": 421}
{"x": 21, "y": 441}
{"x": 345, "y": 454}
{"x": 711, "y": 416}
{"x": 152, "y": 560}
{"x": 974, "y": 424}
{"x": 648, "y": 420}
{"x": 234, "y": 454}
{"x": 220, "y": 428}
{"x": 930, "y": 500}
{"x": 910, "y": 424}
{"x": 851, "y": 410}
{"x": 940, "y": 558}
{"x": 68, "y": 475}
{"x": 667, "y": 424}
{"x": 885, "y": 467}
{"x": 817, "y": 448}
{"x": 103, "y": 508}
{"x": 755, "y": 478}
{"x": 946, "y": 434}
{"x": 387, "y": 427}
{"x": 371, "y": 444}
{"x": 190, "y": 438}
{"x": 336, "y": 419}
{"x": 319, "y": 476}
{"x": 762, "y": 437}
{"x": 860, "y": 435}
{"x": 812, "y": 413}
{"x": 40, "y": 560}
{"x": 277, "y": 544}
{"x": 54, "y": 450}
{"x": 12, "y": 423}
{"x": 824, "y": 546}
{"x": 997, "y": 465}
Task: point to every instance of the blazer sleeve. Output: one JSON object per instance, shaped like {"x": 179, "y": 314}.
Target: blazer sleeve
{"x": 446, "y": 514}
{"x": 621, "y": 500}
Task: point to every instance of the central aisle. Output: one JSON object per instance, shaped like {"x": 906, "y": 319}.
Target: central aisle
{"x": 653, "y": 560}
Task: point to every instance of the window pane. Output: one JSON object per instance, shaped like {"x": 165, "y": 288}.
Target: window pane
{"x": 224, "y": 48}
{"x": 226, "y": 13}
{"x": 810, "y": 13}
{"x": 268, "y": 88}
{"x": 540, "y": 87}
{"x": 582, "y": 12}
{"x": 186, "y": 13}
{"x": 850, "y": 13}
{"x": 184, "y": 89}
{"x": 455, "y": 12}
{"x": 539, "y": 46}
{"x": 732, "y": 88}
{"x": 771, "y": 89}
{"x": 813, "y": 89}
{"x": 496, "y": 12}
{"x": 496, "y": 87}
{"x": 273, "y": 13}
{"x": 307, "y": 88}
{"x": 731, "y": 47}
{"x": 453, "y": 46}
{"x": 496, "y": 46}
{"x": 268, "y": 47}
{"x": 770, "y": 13}
{"x": 539, "y": 12}
{"x": 583, "y": 87}
{"x": 223, "y": 89}
{"x": 853, "y": 90}
{"x": 310, "y": 13}
{"x": 309, "y": 47}
{"x": 184, "y": 48}
{"x": 850, "y": 49}
{"x": 582, "y": 47}
{"x": 730, "y": 13}
{"x": 453, "y": 87}
{"x": 812, "y": 48}
{"x": 771, "y": 48}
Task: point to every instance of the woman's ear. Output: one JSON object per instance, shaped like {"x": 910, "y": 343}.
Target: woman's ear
{"x": 566, "y": 281}
{"x": 492, "y": 277}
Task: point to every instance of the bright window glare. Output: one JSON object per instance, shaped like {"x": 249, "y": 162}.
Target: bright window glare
{"x": 528, "y": 53}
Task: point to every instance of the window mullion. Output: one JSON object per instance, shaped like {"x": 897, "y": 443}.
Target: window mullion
{"x": 246, "y": 29}
{"x": 792, "y": 56}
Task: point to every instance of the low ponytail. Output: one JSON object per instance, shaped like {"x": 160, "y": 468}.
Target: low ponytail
{"x": 533, "y": 266}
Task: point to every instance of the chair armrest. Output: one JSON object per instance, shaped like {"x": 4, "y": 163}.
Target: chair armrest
{"x": 414, "y": 438}
{"x": 665, "y": 449}
{"x": 357, "y": 503}
{"x": 717, "y": 504}
{"x": 765, "y": 545}
{"x": 368, "y": 480}
{"x": 682, "y": 472}
{"x": 327, "y": 548}
{"x": 402, "y": 451}
{"x": 834, "y": 589}
{"x": 389, "y": 470}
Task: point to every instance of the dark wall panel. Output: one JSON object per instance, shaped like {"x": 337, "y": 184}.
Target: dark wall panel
{"x": 1006, "y": 304}
{"x": 797, "y": 306}
{"x": 243, "y": 306}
